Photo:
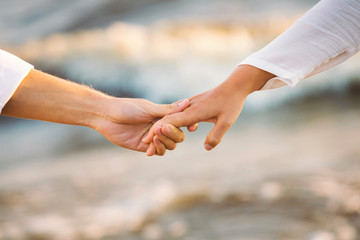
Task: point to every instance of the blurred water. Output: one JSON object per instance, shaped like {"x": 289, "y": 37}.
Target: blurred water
{"x": 287, "y": 170}
{"x": 162, "y": 51}
{"x": 21, "y": 20}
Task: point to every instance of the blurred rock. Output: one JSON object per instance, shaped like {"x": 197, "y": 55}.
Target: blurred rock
{"x": 12, "y": 231}
{"x": 177, "y": 229}
{"x": 50, "y": 227}
{"x": 346, "y": 232}
{"x": 153, "y": 231}
{"x": 270, "y": 190}
{"x": 322, "y": 235}
{"x": 93, "y": 231}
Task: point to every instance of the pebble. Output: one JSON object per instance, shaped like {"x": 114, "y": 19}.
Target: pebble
{"x": 93, "y": 231}
{"x": 178, "y": 229}
{"x": 271, "y": 190}
{"x": 321, "y": 235}
{"x": 153, "y": 231}
{"x": 11, "y": 231}
{"x": 57, "y": 227}
{"x": 346, "y": 233}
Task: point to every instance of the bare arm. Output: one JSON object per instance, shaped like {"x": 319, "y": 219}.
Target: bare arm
{"x": 221, "y": 105}
{"x": 324, "y": 37}
{"x": 123, "y": 121}
{"x": 44, "y": 97}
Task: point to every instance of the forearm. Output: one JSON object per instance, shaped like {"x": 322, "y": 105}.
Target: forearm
{"x": 324, "y": 37}
{"x": 41, "y": 96}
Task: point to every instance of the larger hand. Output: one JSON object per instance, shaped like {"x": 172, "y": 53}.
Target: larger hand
{"x": 123, "y": 121}
{"x": 127, "y": 121}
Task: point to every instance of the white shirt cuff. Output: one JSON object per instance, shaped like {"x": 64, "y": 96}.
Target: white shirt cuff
{"x": 282, "y": 76}
{"x": 12, "y": 71}
{"x": 324, "y": 37}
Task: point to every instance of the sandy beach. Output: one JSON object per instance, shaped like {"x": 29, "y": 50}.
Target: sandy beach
{"x": 284, "y": 174}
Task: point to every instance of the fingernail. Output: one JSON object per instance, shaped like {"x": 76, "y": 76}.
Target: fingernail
{"x": 148, "y": 152}
{"x": 183, "y": 103}
{"x": 208, "y": 147}
{"x": 167, "y": 129}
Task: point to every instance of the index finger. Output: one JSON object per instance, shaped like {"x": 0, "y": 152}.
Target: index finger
{"x": 181, "y": 119}
{"x": 173, "y": 133}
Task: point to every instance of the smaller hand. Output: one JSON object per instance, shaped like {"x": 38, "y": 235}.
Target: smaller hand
{"x": 216, "y": 106}
{"x": 221, "y": 106}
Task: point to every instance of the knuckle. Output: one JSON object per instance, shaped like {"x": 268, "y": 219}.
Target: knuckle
{"x": 226, "y": 124}
{"x": 165, "y": 119}
{"x": 159, "y": 134}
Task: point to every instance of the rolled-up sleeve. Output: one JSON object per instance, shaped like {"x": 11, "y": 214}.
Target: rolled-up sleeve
{"x": 12, "y": 71}
{"x": 325, "y": 36}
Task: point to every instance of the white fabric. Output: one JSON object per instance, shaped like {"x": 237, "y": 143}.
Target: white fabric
{"x": 12, "y": 71}
{"x": 325, "y": 36}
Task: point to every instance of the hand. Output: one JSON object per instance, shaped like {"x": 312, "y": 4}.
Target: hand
{"x": 127, "y": 121}
{"x": 124, "y": 122}
{"x": 221, "y": 106}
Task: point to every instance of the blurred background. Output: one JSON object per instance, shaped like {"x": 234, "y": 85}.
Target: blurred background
{"x": 288, "y": 169}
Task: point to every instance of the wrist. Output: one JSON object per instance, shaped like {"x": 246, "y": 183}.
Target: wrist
{"x": 109, "y": 109}
{"x": 98, "y": 110}
{"x": 248, "y": 79}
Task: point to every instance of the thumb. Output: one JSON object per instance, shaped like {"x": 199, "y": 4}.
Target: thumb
{"x": 216, "y": 134}
{"x": 161, "y": 110}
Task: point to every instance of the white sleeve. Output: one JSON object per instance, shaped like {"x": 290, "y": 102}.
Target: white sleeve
{"x": 325, "y": 36}
{"x": 12, "y": 71}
